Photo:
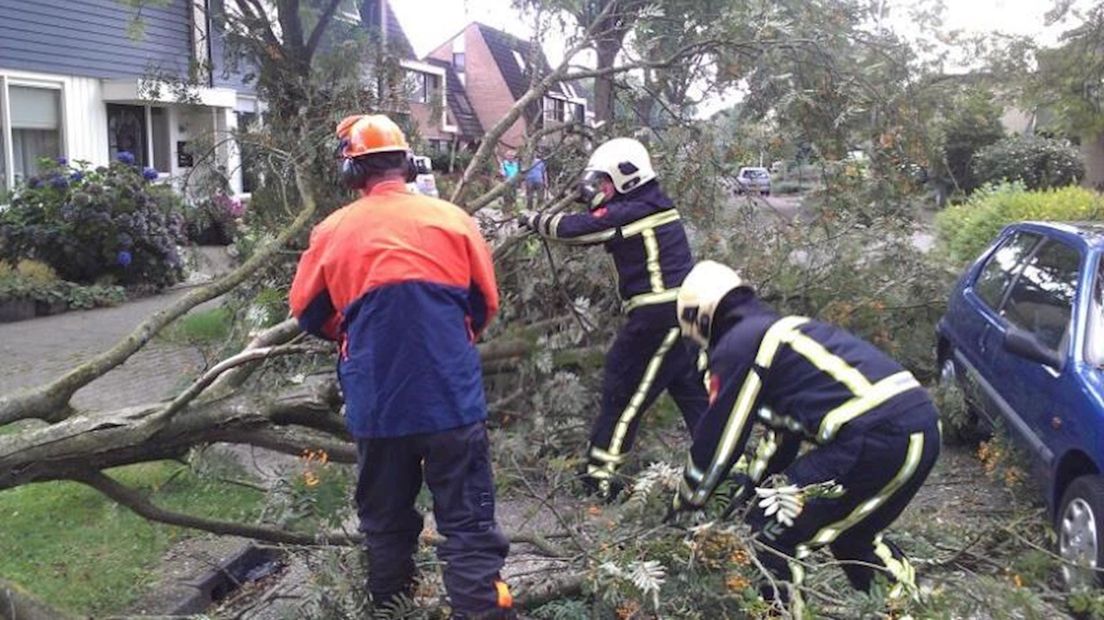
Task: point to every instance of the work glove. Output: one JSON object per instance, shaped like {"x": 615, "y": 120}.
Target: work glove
{"x": 528, "y": 220}
{"x": 784, "y": 503}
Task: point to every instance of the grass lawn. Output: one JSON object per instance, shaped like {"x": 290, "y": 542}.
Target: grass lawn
{"x": 79, "y": 551}
{"x": 200, "y": 327}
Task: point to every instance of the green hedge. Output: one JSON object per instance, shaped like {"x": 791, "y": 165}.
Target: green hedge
{"x": 967, "y": 229}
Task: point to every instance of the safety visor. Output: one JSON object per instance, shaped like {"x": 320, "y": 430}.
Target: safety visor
{"x": 590, "y": 188}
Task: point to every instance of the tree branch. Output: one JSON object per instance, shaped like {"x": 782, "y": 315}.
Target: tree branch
{"x": 320, "y": 28}
{"x": 133, "y": 500}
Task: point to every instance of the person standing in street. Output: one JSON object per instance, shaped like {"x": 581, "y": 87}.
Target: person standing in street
{"x": 404, "y": 284}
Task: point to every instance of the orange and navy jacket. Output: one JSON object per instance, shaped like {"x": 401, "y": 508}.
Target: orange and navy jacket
{"x": 405, "y": 284}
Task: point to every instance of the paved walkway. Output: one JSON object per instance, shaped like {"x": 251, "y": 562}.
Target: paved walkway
{"x": 40, "y": 350}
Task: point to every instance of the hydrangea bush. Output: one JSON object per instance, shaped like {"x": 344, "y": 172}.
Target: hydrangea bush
{"x": 107, "y": 224}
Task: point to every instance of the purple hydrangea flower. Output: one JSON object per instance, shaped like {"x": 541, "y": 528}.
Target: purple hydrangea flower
{"x": 59, "y": 182}
{"x": 34, "y": 182}
{"x": 150, "y": 174}
{"x": 123, "y": 258}
{"x": 62, "y": 161}
{"x": 125, "y": 157}
{"x": 76, "y": 176}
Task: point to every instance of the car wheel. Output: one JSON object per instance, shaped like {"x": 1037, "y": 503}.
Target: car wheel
{"x": 974, "y": 428}
{"x": 766, "y": 193}
{"x": 1080, "y": 527}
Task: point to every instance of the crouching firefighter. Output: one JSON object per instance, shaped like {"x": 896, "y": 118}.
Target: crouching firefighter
{"x": 873, "y": 428}
{"x": 404, "y": 283}
{"x": 640, "y": 227}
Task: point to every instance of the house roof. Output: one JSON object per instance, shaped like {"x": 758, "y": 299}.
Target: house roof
{"x": 378, "y": 14}
{"x": 458, "y": 102}
{"x": 512, "y": 54}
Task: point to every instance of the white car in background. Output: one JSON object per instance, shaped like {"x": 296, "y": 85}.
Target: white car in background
{"x": 754, "y": 180}
{"x": 425, "y": 183}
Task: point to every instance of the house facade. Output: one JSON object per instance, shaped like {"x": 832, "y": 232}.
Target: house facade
{"x": 495, "y": 69}
{"x": 76, "y": 83}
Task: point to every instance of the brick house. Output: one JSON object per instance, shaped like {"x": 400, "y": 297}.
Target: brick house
{"x": 493, "y": 67}
{"x": 434, "y": 95}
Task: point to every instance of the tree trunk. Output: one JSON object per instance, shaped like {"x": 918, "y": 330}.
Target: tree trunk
{"x": 607, "y": 49}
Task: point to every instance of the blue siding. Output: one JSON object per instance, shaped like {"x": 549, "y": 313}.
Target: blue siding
{"x": 89, "y": 38}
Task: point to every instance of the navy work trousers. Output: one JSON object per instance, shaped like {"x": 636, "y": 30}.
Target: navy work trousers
{"x": 647, "y": 357}
{"x": 456, "y": 465}
{"x": 880, "y": 470}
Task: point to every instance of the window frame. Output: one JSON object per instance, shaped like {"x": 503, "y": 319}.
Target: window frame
{"x": 459, "y": 68}
{"x": 1095, "y": 328}
{"x": 1014, "y": 272}
{"x": 1007, "y": 295}
{"x": 6, "y": 141}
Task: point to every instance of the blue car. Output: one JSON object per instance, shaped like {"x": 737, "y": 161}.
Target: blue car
{"x": 1023, "y": 338}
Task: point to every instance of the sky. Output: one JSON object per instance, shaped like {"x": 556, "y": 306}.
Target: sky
{"x": 429, "y": 23}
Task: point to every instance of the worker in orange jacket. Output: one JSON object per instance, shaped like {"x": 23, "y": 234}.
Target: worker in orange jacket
{"x": 404, "y": 283}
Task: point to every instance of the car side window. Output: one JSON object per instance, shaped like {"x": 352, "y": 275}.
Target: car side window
{"x": 1041, "y": 299}
{"x": 1001, "y": 267}
{"x": 1094, "y": 343}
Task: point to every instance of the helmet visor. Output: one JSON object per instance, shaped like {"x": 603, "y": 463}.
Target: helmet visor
{"x": 589, "y": 188}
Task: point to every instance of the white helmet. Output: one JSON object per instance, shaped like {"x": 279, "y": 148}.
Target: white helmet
{"x": 625, "y": 160}
{"x": 702, "y": 290}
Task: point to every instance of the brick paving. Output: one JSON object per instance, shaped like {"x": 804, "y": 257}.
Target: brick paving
{"x": 39, "y": 350}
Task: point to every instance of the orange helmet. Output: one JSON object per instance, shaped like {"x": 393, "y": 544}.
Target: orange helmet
{"x": 364, "y": 134}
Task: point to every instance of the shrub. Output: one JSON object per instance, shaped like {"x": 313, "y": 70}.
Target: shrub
{"x": 212, "y": 221}
{"x": 965, "y": 230}
{"x": 1039, "y": 163}
{"x": 94, "y": 225}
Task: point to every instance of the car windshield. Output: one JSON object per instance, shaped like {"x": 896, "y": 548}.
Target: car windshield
{"x": 755, "y": 172}
{"x": 1094, "y": 343}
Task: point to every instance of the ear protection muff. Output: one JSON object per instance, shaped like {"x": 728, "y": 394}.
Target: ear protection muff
{"x": 353, "y": 175}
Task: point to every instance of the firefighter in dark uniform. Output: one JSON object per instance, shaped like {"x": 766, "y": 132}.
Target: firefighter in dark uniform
{"x": 640, "y": 228}
{"x": 874, "y": 430}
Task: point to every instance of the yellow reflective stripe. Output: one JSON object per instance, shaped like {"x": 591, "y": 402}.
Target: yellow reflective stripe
{"x": 599, "y": 473}
{"x": 631, "y": 411}
{"x": 872, "y": 397}
{"x": 599, "y": 454}
{"x": 863, "y": 510}
{"x": 692, "y": 471}
{"x": 900, "y": 568}
{"x": 797, "y": 579}
{"x": 651, "y": 253}
{"x": 553, "y": 224}
{"x": 735, "y": 425}
{"x": 763, "y": 453}
{"x": 649, "y": 299}
{"x": 650, "y": 222}
{"x": 745, "y": 400}
{"x": 830, "y": 363}
{"x": 783, "y": 330}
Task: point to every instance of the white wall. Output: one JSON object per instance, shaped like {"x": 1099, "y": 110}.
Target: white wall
{"x": 84, "y": 116}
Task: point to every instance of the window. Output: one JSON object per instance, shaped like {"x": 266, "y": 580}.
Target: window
{"x": 35, "y": 128}
{"x": 247, "y": 122}
{"x": 580, "y": 113}
{"x": 162, "y": 146}
{"x": 458, "y": 61}
{"x": 422, "y": 87}
{"x": 1094, "y": 339}
{"x": 999, "y": 269}
{"x": 126, "y": 132}
{"x": 554, "y": 110}
{"x": 1041, "y": 300}
{"x": 519, "y": 59}
{"x": 142, "y": 131}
